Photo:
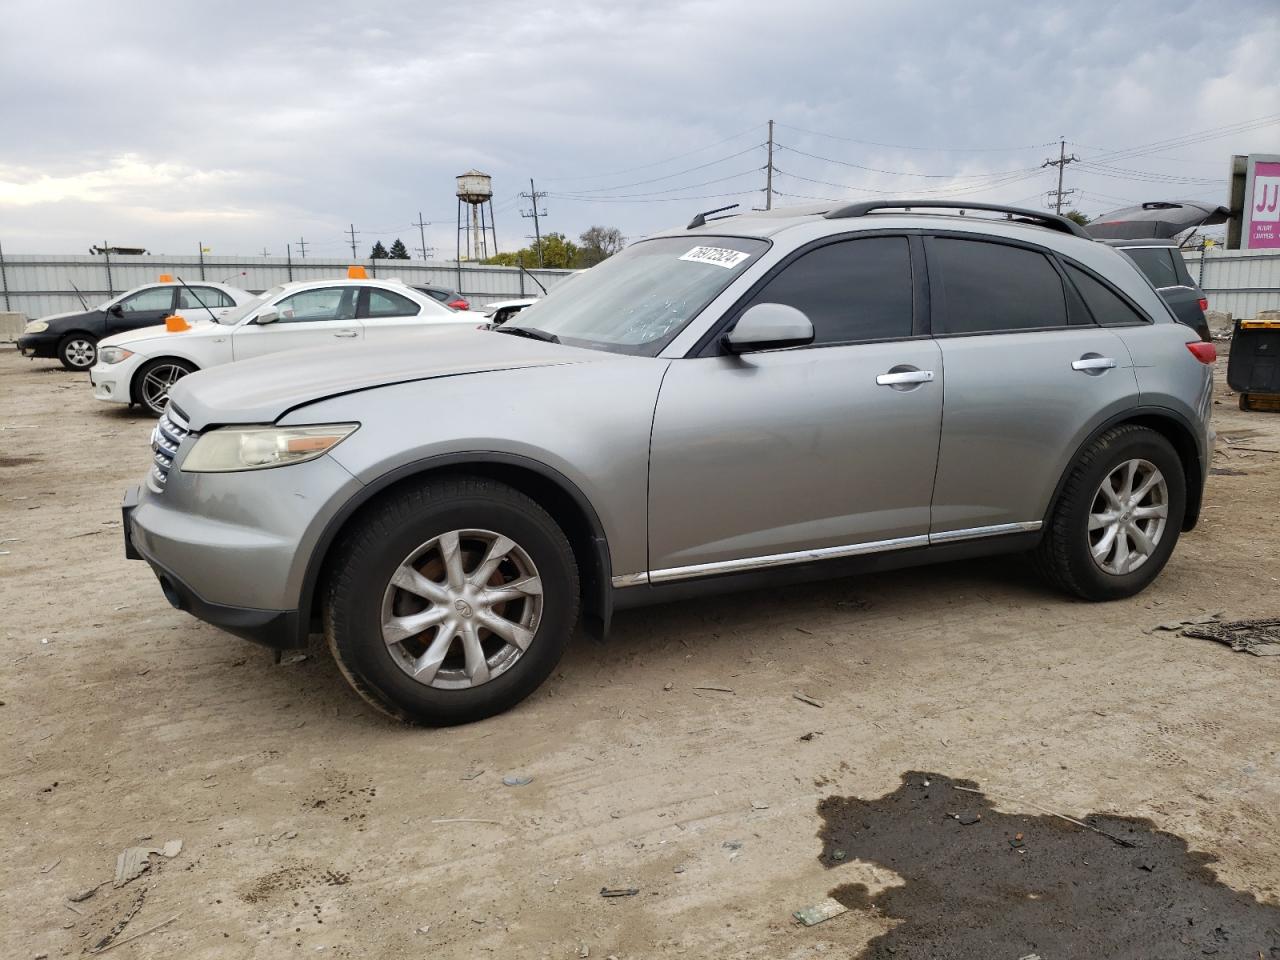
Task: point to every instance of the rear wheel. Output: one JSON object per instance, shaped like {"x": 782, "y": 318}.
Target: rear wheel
{"x": 1118, "y": 517}
{"x": 154, "y": 380}
{"x": 451, "y": 601}
{"x": 1244, "y": 402}
{"x": 78, "y": 351}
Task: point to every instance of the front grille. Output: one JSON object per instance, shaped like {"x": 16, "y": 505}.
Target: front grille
{"x": 168, "y": 435}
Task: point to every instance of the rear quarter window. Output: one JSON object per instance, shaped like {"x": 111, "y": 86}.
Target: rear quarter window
{"x": 1105, "y": 305}
{"x": 1157, "y": 264}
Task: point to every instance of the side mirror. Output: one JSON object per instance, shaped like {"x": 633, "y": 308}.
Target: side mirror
{"x": 116, "y": 310}
{"x": 768, "y": 326}
{"x": 267, "y": 316}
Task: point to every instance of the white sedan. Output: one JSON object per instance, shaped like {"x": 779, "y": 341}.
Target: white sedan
{"x": 140, "y": 366}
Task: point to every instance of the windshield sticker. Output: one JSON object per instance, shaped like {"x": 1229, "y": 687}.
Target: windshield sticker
{"x": 720, "y": 256}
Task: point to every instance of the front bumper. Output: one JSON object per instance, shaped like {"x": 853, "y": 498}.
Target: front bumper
{"x": 111, "y": 381}
{"x": 43, "y": 345}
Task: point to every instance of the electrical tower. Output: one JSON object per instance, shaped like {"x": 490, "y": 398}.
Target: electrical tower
{"x": 1061, "y": 163}
{"x": 533, "y": 196}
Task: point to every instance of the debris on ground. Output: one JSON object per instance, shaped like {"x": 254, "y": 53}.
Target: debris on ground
{"x": 83, "y": 895}
{"x": 716, "y": 689}
{"x": 821, "y": 911}
{"x": 289, "y": 659}
{"x": 1175, "y": 625}
{"x": 759, "y": 805}
{"x": 810, "y": 735}
{"x": 112, "y": 946}
{"x": 803, "y": 698}
{"x": 619, "y": 891}
{"x": 134, "y": 861}
{"x": 1259, "y": 637}
{"x": 513, "y": 781}
{"x": 118, "y": 927}
{"x": 967, "y": 817}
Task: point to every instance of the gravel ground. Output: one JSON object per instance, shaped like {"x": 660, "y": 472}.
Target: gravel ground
{"x": 312, "y": 826}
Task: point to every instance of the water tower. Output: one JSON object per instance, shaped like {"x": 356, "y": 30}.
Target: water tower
{"x": 475, "y": 192}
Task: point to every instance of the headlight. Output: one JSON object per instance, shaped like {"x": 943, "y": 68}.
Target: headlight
{"x": 37, "y": 326}
{"x": 252, "y": 448}
{"x": 114, "y": 354}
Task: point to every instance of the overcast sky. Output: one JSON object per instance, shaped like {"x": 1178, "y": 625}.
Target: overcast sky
{"x": 247, "y": 125}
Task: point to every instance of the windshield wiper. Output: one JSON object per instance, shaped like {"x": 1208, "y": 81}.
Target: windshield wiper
{"x": 533, "y": 333}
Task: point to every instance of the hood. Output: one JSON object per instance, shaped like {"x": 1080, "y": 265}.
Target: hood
{"x": 1157, "y": 219}
{"x": 62, "y": 316}
{"x": 265, "y": 388}
{"x": 134, "y": 338}
{"x": 70, "y": 319}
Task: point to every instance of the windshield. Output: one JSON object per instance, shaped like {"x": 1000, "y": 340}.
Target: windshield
{"x": 638, "y": 300}
{"x": 236, "y": 314}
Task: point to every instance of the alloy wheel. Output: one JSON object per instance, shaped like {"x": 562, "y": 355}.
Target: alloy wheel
{"x": 156, "y": 384}
{"x": 80, "y": 353}
{"x": 461, "y": 609}
{"x": 1128, "y": 516}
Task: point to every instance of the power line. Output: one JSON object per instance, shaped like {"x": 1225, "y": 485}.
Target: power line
{"x": 904, "y": 173}
{"x": 656, "y": 163}
{"x": 903, "y": 146}
{"x": 668, "y": 176}
{"x": 1199, "y": 136}
{"x": 656, "y": 193}
{"x": 954, "y": 190}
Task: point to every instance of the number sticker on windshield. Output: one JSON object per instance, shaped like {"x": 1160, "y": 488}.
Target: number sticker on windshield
{"x": 720, "y": 256}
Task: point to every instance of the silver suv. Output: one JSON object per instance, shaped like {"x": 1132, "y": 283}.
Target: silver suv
{"x": 752, "y": 400}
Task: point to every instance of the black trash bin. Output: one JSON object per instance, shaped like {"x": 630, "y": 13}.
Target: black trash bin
{"x": 1253, "y": 371}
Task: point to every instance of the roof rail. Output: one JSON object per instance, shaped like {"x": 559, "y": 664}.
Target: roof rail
{"x": 701, "y": 218}
{"x": 1049, "y": 220}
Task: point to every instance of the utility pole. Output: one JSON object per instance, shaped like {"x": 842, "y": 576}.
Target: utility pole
{"x": 4, "y": 279}
{"x": 266, "y": 252}
{"x": 768, "y": 175}
{"x": 288, "y": 252}
{"x": 422, "y": 233}
{"x": 533, "y": 196}
{"x": 201, "y": 259}
{"x": 302, "y": 247}
{"x": 353, "y": 231}
{"x": 1061, "y": 163}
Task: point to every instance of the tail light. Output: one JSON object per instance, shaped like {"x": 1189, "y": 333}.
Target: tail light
{"x": 1204, "y": 303}
{"x": 1204, "y": 352}
{"x": 459, "y": 304}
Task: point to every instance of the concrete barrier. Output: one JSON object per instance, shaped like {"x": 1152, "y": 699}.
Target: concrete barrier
{"x": 11, "y": 325}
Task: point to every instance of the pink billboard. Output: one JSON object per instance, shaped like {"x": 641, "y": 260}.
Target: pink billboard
{"x": 1262, "y": 208}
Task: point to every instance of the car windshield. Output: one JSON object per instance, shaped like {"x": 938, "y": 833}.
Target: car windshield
{"x": 236, "y": 314}
{"x": 638, "y": 300}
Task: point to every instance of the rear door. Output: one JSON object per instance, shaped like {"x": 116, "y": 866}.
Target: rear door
{"x": 814, "y": 452}
{"x": 198, "y": 303}
{"x": 386, "y": 313}
{"x": 146, "y": 308}
{"x": 1028, "y": 375}
{"x": 318, "y": 316}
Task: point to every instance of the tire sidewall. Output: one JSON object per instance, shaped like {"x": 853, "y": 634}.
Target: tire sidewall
{"x": 1144, "y": 445}
{"x": 146, "y": 368}
{"x": 70, "y": 339}
{"x": 356, "y": 610}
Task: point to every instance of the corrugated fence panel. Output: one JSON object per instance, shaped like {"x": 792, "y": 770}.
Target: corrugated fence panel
{"x": 1239, "y": 282}
{"x": 40, "y": 285}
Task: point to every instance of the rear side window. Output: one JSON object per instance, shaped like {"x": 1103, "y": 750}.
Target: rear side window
{"x": 1107, "y": 308}
{"x": 384, "y": 303}
{"x": 154, "y": 298}
{"x": 1156, "y": 263}
{"x": 983, "y": 287}
{"x": 851, "y": 290}
{"x": 211, "y": 297}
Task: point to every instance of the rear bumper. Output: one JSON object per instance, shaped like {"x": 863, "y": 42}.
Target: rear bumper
{"x": 43, "y": 345}
{"x": 278, "y": 629}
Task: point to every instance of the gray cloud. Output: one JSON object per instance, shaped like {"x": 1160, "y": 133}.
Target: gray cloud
{"x": 242, "y": 124}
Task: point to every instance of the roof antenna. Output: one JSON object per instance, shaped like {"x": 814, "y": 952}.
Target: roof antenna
{"x": 701, "y": 218}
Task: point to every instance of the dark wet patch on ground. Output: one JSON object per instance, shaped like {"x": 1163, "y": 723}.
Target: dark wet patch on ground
{"x": 1013, "y": 885}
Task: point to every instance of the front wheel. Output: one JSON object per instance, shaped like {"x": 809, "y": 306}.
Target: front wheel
{"x": 450, "y": 601}
{"x": 154, "y": 380}
{"x": 78, "y": 351}
{"x": 1118, "y": 517}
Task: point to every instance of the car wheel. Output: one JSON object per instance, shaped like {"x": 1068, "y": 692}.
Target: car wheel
{"x": 1243, "y": 402}
{"x": 450, "y": 601}
{"x": 154, "y": 380}
{"x": 1118, "y": 517}
{"x": 78, "y": 351}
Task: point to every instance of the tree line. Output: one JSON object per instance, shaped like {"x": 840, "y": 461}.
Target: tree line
{"x": 558, "y": 251}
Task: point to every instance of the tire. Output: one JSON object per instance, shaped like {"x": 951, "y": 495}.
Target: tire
{"x": 1244, "y": 402}
{"x": 152, "y": 382}
{"x": 78, "y": 351}
{"x": 411, "y": 530}
{"x": 1065, "y": 556}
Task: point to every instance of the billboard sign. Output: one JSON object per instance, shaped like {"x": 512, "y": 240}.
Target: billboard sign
{"x": 1261, "y": 228}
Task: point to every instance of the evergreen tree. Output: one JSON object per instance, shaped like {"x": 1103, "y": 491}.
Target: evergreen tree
{"x": 379, "y": 252}
{"x": 399, "y": 251}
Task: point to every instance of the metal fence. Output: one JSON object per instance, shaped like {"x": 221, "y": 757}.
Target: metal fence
{"x": 1239, "y": 282}
{"x": 38, "y": 285}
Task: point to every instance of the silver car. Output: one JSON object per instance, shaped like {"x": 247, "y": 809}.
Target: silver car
{"x": 755, "y": 399}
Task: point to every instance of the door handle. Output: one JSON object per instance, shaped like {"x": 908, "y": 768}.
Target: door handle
{"x": 904, "y": 376}
{"x": 1093, "y": 363}
{"x": 346, "y": 333}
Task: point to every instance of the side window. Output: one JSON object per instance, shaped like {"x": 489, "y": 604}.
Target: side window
{"x": 384, "y": 303}
{"x": 981, "y": 287}
{"x": 327, "y": 303}
{"x": 851, "y": 290}
{"x": 155, "y": 298}
{"x": 211, "y": 296}
{"x": 1107, "y": 308}
{"x": 1157, "y": 263}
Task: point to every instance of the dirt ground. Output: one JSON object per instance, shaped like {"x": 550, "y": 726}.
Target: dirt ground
{"x": 312, "y": 827}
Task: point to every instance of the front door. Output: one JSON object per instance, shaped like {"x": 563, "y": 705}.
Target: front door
{"x": 1029, "y": 372}
{"x": 146, "y": 308}
{"x": 310, "y": 318}
{"x": 807, "y": 453}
